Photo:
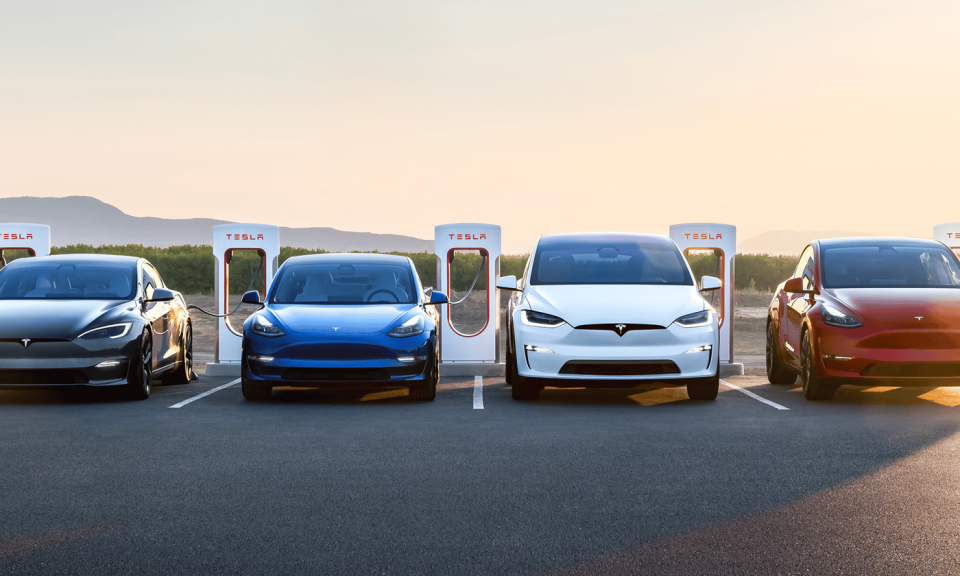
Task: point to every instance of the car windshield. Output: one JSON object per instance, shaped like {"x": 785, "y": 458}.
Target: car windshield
{"x": 345, "y": 283}
{"x": 68, "y": 281}
{"x": 605, "y": 262}
{"x": 890, "y": 266}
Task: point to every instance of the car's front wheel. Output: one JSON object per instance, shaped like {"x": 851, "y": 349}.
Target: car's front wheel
{"x": 427, "y": 391}
{"x": 777, "y": 372}
{"x": 704, "y": 388}
{"x": 814, "y": 387}
{"x": 522, "y": 388}
{"x": 140, "y": 377}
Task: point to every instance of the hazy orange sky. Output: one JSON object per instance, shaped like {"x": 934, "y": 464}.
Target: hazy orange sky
{"x": 542, "y": 116}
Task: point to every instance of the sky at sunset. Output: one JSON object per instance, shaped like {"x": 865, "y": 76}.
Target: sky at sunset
{"x": 540, "y": 116}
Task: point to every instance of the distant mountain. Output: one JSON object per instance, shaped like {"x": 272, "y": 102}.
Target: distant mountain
{"x": 86, "y": 220}
{"x": 788, "y": 242}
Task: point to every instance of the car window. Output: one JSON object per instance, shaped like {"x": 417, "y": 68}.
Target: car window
{"x": 149, "y": 284}
{"x": 890, "y": 266}
{"x": 345, "y": 282}
{"x": 600, "y": 261}
{"x": 68, "y": 280}
{"x": 154, "y": 275}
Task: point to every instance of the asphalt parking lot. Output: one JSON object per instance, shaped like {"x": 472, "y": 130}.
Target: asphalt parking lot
{"x": 581, "y": 482}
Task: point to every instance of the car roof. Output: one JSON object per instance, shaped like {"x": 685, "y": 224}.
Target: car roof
{"x": 350, "y": 257}
{"x": 548, "y": 240}
{"x": 77, "y": 258}
{"x": 876, "y": 241}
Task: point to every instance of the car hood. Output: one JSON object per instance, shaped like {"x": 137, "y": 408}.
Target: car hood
{"x": 896, "y": 308}
{"x": 347, "y": 319}
{"x": 55, "y": 319}
{"x": 604, "y": 304}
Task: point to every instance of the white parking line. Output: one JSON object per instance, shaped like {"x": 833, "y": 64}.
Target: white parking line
{"x": 754, "y": 396}
{"x": 207, "y": 393}
{"x": 478, "y": 392}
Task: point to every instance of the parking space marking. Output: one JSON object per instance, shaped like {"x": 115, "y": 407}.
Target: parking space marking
{"x": 754, "y": 396}
{"x": 478, "y": 392}
{"x": 207, "y": 393}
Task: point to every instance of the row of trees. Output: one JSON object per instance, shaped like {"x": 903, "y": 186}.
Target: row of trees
{"x": 189, "y": 269}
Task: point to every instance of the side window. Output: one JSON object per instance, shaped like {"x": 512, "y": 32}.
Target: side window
{"x": 154, "y": 276}
{"x": 148, "y": 284}
{"x": 803, "y": 262}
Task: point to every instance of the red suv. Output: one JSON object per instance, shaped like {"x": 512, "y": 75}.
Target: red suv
{"x": 867, "y": 312}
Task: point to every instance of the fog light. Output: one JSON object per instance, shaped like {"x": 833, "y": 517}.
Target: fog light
{"x": 706, "y": 348}
{"x": 530, "y": 348}
{"x": 411, "y": 359}
{"x": 109, "y": 364}
{"x": 832, "y": 357}
{"x": 262, "y": 358}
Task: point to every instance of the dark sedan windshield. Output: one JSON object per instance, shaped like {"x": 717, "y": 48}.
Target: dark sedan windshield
{"x": 65, "y": 281}
{"x": 605, "y": 262}
{"x": 889, "y": 266}
{"x": 345, "y": 283}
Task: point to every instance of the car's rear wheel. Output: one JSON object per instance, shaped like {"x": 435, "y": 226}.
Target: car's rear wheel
{"x": 704, "y": 388}
{"x": 184, "y": 373}
{"x": 814, "y": 387}
{"x": 777, "y": 372}
{"x": 427, "y": 391}
{"x": 140, "y": 377}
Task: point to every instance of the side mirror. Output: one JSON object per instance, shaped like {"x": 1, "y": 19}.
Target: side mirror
{"x": 795, "y": 286}
{"x": 161, "y": 295}
{"x": 252, "y": 297}
{"x": 709, "y": 283}
{"x": 437, "y": 298}
{"x": 508, "y": 283}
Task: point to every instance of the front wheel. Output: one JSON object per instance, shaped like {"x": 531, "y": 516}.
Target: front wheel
{"x": 140, "y": 377}
{"x": 522, "y": 388}
{"x": 427, "y": 391}
{"x": 777, "y": 373}
{"x": 705, "y": 388}
{"x": 255, "y": 392}
{"x": 814, "y": 387}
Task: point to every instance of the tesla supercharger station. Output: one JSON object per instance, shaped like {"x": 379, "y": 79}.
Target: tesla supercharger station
{"x": 949, "y": 234}
{"x": 715, "y": 238}
{"x": 34, "y": 238}
{"x": 227, "y": 239}
{"x": 471, "y": 347}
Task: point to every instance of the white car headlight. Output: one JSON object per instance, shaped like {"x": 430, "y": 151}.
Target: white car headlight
{"x": 112, "y": 331}
{"x": 540, "y": 319}
{"x": 695, "y": 320}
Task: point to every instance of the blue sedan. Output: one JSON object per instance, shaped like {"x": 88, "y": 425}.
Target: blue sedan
{"x": 343, "y": 320}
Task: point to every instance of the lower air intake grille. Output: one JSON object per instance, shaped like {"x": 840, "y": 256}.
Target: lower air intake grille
{"x": 41, "y": 377}
{"x": 913, "y": 370}
{"x": 351, "y": 374}
{"x": 619, "y": 367}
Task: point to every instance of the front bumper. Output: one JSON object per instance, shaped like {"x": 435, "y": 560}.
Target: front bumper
{"x": 65, "y": 363}
{"x": 336, "y": 364}
{"x": 593, "y": 357}
{"x": 896, "y": 358}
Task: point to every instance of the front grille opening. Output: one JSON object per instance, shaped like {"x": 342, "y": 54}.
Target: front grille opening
{"x": 619, "y": 367}
{"x": 351, "y": 374}
{"x": 41, "y": 377}
{"x": 912, "y": 370}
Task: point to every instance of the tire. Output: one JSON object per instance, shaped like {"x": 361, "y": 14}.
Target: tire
{"x": 508, "y": 371}
{"x": 704, "y": 388}
{"x": 427, "y": 391}
{"x": 255, "y": 392}
{"x": 814, "y": 387}
{"x": 522, "y": 388}
{"x": 777, "y": 372}
{"x": 140, "y": 377}
{"x": 184, "y": 373}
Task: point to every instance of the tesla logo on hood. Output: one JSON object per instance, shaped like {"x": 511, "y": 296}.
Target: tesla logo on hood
{"x": 26, "y": 342}
{"x": 620, "y": 328}
{"x": 335, "y": 328}
{"x": 244, "y": 236}
{"x": 918, "y": 317}
{"x": 16, "y": 236}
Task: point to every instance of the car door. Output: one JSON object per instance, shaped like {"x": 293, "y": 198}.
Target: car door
{"x": 157, "y": 316}
{"x": 173, "y": 321}
{"x": 796, "y": 305}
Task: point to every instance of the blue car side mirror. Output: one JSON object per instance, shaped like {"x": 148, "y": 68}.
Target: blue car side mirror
{"x": 437, "y": 298}
{"x": 252, "y": 297}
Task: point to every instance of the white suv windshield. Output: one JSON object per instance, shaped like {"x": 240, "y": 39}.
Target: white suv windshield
{"x": 609, "y": 262}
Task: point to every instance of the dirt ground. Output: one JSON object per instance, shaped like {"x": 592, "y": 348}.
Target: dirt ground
{"x": 470, "y": 316}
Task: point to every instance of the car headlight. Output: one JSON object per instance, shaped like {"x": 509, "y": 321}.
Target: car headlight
{"x": 112, "y": 331}
{"x": 411, "y": 327}
{"x": 540, "y": 319}
{"x": 695, "y": 320}
{"x": 264, "y": 327}
{"x": 834, "y": 317}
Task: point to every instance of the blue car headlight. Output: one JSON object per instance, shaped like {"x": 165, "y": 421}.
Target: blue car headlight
{"x": 113, "y": 331}
{"x": 697, "y": 319}
{"x": 263, "y": 327}
{"x": 411, "y": 327}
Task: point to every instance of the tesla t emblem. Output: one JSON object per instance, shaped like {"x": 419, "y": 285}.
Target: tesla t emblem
{"x": 620, "y": 328}
{"x": 26, "y": 342}
{"x": 335, "y": 328}
{"x": 918, "y": 317}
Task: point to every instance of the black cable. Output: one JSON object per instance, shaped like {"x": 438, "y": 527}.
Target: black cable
{"x": 483, "y": 263}
{"x": 253, "y": 280}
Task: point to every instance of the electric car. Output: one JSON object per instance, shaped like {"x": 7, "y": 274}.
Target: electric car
{"x": 610, "y": 311}
{"x": 91, "y": 320}
{"x": 867, "y": 311}
{"x": 343, "y": 320}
